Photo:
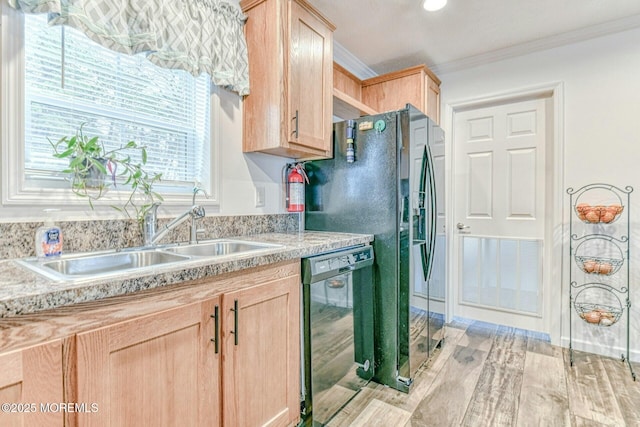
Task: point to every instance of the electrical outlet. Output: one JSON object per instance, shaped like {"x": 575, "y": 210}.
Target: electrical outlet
{"x": 260, "y": 196}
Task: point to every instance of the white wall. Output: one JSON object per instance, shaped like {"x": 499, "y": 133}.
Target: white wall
{"x": 601, "y": 138}
{"x": 240, "y": 172}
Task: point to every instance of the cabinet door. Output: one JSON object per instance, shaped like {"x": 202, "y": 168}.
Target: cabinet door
{"x": 418, "y": 86}
{"x": 31, "y": 386}
{"x": 394, "y": 91}
{"x": 261, "y": 368}
{"x": 310, "y": 81}
{"x": 432, "y": 99}
{"x": 156, "y": 370}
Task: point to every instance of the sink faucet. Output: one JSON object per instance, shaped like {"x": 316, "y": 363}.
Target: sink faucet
{"x": 194, "y": 229}
{"x": 152, "y": 236}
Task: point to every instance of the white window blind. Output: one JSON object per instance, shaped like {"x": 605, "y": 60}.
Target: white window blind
{"x": 70, "y": 80}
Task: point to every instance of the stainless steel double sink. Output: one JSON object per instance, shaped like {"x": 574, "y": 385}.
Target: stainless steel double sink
{"x": 110, "y": 263}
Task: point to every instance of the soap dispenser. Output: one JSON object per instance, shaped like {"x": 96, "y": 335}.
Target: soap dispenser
{"x": 48, "y": 237}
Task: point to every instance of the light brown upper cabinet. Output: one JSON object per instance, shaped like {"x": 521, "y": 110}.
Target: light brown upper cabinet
{"x": 418, "y": 86}
{"x": 289, "y": 109}
{"x": 347, "y": 95}
{"x": 346, "y": 82}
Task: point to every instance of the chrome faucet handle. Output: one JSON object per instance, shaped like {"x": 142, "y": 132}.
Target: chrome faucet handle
{"x": 197, "y": 212}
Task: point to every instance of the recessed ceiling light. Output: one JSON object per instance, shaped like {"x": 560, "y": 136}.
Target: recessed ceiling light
{"x": 433, "y": 5}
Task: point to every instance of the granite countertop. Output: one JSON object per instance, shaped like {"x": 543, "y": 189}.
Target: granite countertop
{"x": 23, "y": 291}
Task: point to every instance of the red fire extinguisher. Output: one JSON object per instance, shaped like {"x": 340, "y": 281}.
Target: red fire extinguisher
{"x": 295, "y": 187}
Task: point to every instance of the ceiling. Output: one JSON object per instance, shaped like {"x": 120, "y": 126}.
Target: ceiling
{"x": 388, "y": 35}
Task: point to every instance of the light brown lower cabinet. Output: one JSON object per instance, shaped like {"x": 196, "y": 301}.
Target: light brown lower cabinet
{"x": 156, "y": 370}
{"x": 261, "y": 348}
{"x": 165, "y": 368}
{"x": 31, "y": 386}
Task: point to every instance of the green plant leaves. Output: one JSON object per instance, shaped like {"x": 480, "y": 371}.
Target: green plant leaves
{"x": 64, "y": 154}
{"x": 88, "y": 161}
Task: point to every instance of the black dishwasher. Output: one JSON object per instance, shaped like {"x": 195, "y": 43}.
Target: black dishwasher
{"x": 337, "y": 325}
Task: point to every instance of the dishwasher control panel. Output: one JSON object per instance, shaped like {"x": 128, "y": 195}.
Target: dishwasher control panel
{"x": 321, "y": 266}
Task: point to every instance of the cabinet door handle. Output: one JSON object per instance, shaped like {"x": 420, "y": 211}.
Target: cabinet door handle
{"x": 216, "y": 328}
{"x": 235, "y": 321}
{"x": 296, "y": 128}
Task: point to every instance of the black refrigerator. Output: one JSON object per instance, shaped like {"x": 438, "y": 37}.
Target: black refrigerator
{"x": 384, "y": 180}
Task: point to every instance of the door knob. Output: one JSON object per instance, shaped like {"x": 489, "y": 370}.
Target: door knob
{"x": 461, "y": 226}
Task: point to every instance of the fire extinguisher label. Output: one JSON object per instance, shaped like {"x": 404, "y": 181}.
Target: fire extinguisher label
{"x": 296, "y": 197}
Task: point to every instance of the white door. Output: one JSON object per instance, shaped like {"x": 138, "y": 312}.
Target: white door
{"x": 499, "y": 202}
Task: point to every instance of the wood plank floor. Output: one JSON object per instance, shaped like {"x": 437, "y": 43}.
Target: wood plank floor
{"x": 489, "y": 375}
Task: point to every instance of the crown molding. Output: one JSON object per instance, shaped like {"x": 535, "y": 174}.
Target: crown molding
{"x": 550, "y": 42}
{"x": 351, "y": 63}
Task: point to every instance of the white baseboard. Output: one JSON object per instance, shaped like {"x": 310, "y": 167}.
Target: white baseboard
{"x": 589, "y": 347}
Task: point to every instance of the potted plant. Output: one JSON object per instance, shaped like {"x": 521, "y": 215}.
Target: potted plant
{"x": 93, "y": 170}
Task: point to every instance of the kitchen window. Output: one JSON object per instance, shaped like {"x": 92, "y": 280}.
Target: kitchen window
{"x": 55, "y": 78}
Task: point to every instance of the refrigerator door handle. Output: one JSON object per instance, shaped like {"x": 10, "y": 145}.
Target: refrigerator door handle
{"x": 424, "y": 248}
{"x": 433, "y": 214}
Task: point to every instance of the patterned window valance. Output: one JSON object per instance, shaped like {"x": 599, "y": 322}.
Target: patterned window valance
{"x": 193, "y": 35}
